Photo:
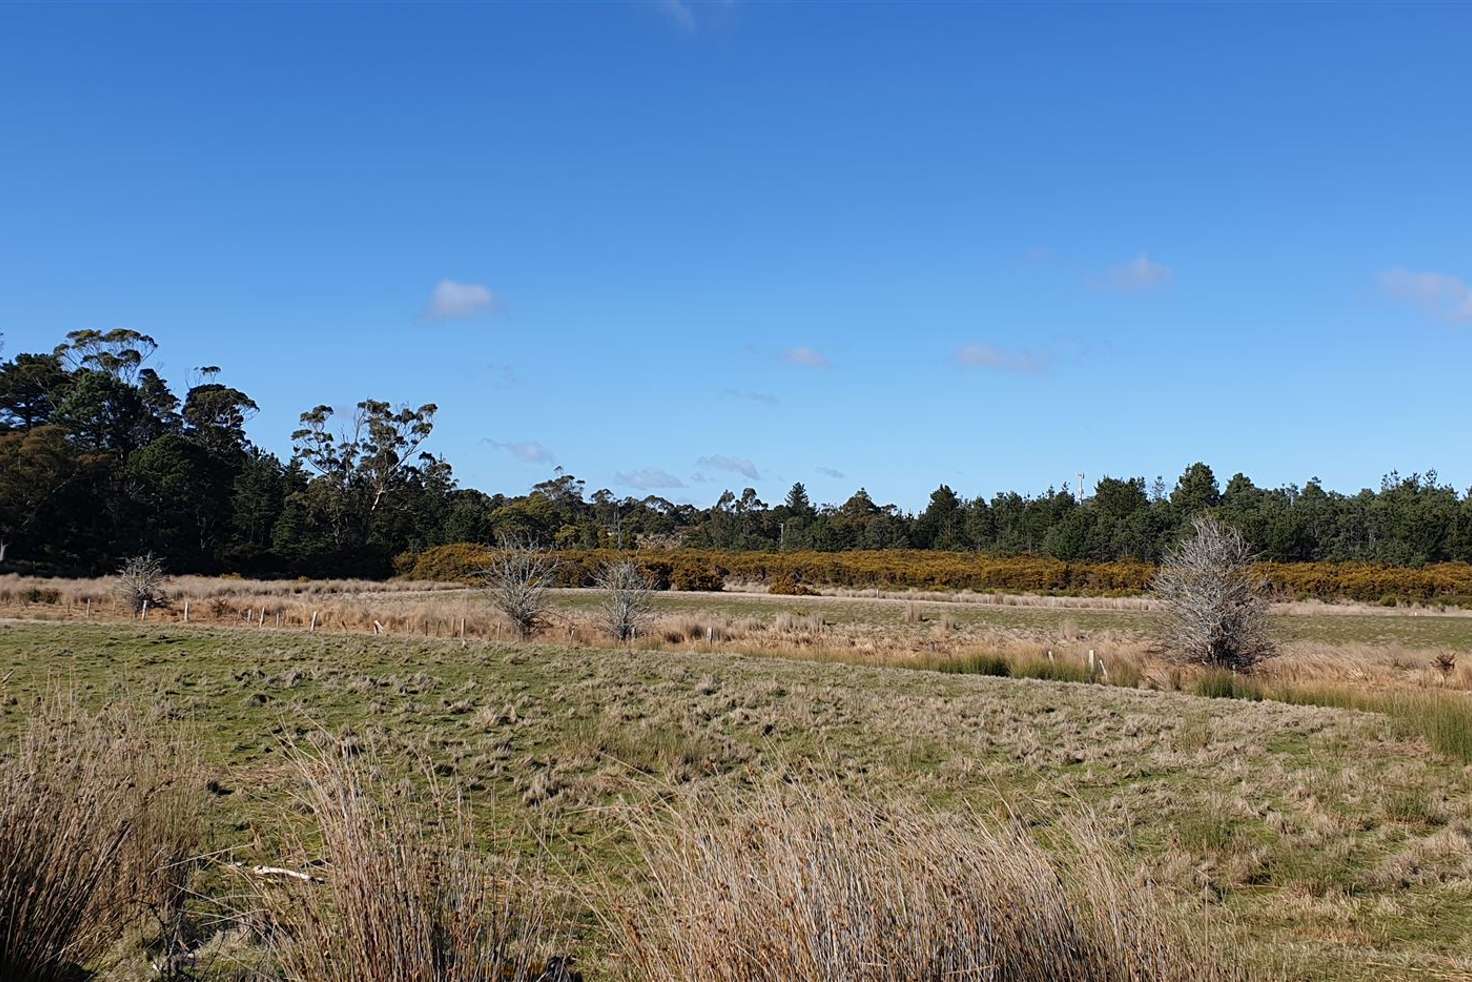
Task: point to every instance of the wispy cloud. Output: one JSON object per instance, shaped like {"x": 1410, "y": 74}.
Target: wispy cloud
{"x": 526, "y": 451}
{"x": 680, "y": 12}
{"x": 737, "y": 465}
{"x": 694, "y": 15}
{"x": 830, "y": 472}
{"x": 1000, "y": 359}
{"x": 808, "y": 357}
{"x": 1140, "y": 273}
{"x": 503, "y": 373}
{"x": 451, "y": 300}
{"x": 649, "y": 479}
{"x": 1438, "y": 294}
{"x": 764, "y": 398}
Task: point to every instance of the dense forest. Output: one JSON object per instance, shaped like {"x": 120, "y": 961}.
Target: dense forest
{"x": 100, "y": 459}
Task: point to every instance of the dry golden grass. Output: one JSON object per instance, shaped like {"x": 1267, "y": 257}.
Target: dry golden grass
{"x": 910, "y": 633}
{"x": 102, "y": 589}
{"x": 812, "y": 885}
{"x": 991, "y": 598}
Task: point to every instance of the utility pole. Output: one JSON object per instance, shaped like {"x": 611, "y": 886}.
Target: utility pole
{"x": 1080, "y": 487}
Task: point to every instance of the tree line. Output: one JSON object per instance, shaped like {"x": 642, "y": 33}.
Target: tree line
{"x": 101, "y": 459}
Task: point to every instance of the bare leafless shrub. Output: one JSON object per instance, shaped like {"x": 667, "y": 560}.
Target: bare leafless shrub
{"x": 626, "y": 600}
{"x": 140, "y": 583}
{"x": 518, "y": 580}
{"x": 820, "y": 888}
{"x": 407, "y": 894}
{"x": 94, "y": 818}
{"x": 1215, "y": 609}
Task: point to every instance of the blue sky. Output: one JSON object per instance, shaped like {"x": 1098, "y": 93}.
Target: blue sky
{"x": 675, "y": 247}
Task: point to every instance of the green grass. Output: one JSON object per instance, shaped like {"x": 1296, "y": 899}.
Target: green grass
{"x": 978, "y": 663}
{"x": 1001, "y": 666}
{"x": 1217, "y": 683}
{"x": 1442, "y": 717}
{"x": 1268, "y": 812}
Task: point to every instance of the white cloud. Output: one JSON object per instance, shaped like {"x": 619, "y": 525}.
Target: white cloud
{"x": 649, "y": 479}
{"x": 803, "y": 355}
{"x": 451, "y": 300}
{"x": 830, "y": 472}
{"x": 1001, "y": 359}
{"x": 737, "y": 465}
{"x": 765, "y": 398}
{"x": 1438, "y": 294}
{"x": 1140, "y": 273}
{"x": 526, "y": 451}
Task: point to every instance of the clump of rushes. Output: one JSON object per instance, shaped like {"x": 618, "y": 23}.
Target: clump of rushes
{"x": 100, "y": 815}
{"x": 406, "y": 895}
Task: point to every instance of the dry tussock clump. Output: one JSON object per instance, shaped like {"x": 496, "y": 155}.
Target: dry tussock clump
{"x": 100, "y": 819}
{"x": 827, "y": 889}
{"x": 683, "y": 628}
{"x": 408, "y": 896}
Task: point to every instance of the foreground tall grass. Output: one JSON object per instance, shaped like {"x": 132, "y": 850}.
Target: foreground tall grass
{"x": 100, "y": 819}
{"x": 816, "y": 887}
{"x": 407, "y": 893}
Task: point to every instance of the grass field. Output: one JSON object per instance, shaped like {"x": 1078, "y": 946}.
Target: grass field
{"x": 1324, "y": 843}
{"x": 1343, "y": 641}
